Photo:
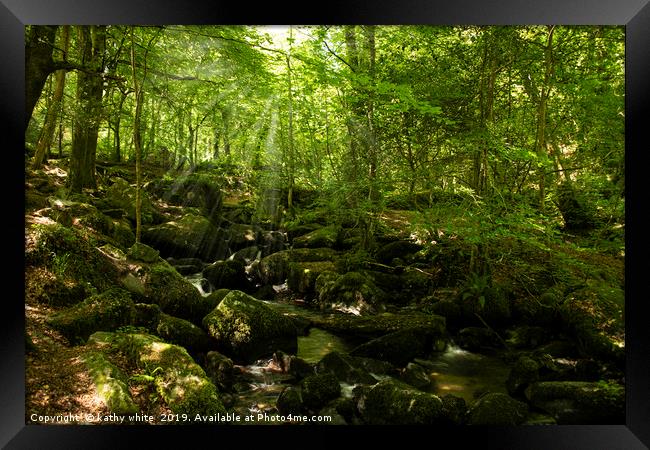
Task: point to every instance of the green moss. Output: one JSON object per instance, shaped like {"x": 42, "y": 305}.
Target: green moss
{"x": 110, "y": 383}
{"x": 142, "y": 252}
{"x": 497, "y": 409}
{"x": 318, "y": 390}
{"x": 351, "y": 291}
{"x": 323, "y": 237}
{"x": 302, "y": 275}
{"x": 173, "y": 293}
{"x": 181, "y": 332}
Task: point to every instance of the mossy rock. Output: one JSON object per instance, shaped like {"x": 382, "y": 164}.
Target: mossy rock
{"x": 418, "y": 377}
{"x": 122, "y": 195}
{"x": 345, "y": 368}
{"x": 220, "y": 369}
{"x": 497, "y": 409}
{"x": 190, "y": 236}
{"x": 323, "y": 237}
{"x": 524, "y": 372}
{"x": 179, "y": 381}
{"x": 111, "y": 384}
{"x": 289, "y": 401}
{"x": 579, "y": 402}
{"x": 351, "y": 292}
{"x": 397, "y": 249}
{"x": 297, "y": 367}
{"x": 103, "y": 312}
{"x": 394, "y": 403}
{"x": 399, "y": 347}
{"x": 198, "y": 189}
{"x": 302, "y": 275}
{"x": 318, "y": 390}
{"x": 228, "y": 274}
{"x": 241, "y": 235}
{"x": 454, "y": 409}
{"x": 274, "y": 269}
{"x": 247, "y": 329}
{"x": 147, "y": 315}
{"x": 183, "y": 333}
{"x": 494, "y": 308}
{"x": 142, "y": 252}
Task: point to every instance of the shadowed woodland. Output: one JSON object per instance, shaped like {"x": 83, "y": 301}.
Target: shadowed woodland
{"x": 347, "y": 225}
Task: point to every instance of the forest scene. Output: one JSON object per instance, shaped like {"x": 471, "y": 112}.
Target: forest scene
{"x": 324, "y": 225}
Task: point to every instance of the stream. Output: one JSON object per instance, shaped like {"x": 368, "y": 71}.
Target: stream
{"x": 454, "y": 371}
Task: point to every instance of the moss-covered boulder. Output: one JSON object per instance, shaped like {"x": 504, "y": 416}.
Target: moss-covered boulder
{"x": 241, "y": 235}
{"x": 393, "y": 403}
{"x": 175, "y": 295}
{"x": 418, "y": 377}
{"x": 247, "y": 254}
{"x": 318, "y": 390}
{"x": 398, "y": 347}
{"x": 147, "y": 315}
{"x": 322, "y": 237}
{"x": 352, "y": 292}
{"x": 183, "y": 333}
{"x": 454, "y": 409}
{"x": 228, "y": 274}
{"x": 497, "y": 409}
{"x": 247, "y": 329}
{"x": 297, "y": 367}
{"x": 142, "y": 252}
{"x": 345, "y": 368}
{"x": 274, "y": 269}
{"x": 110, "y": 383}
{"x": 190, "y": 236}
{"x": 579, "y": 402}
{"x": 289, "y": 401}
{"x": 398, "y": 249}
{"x": 122, "y": 195}
{"x": 198, "y": 189}
{"x": 179, "y": 381}
{"x": 302, "y": 275}
{"x": 102, "y": 312}
{"x": 524, "y": 372}
{"x": 220, "y": 369}
{"x": 477, "y": 339}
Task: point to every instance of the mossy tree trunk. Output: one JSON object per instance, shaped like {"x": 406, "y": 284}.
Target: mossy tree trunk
{"x": 39, "y": 46}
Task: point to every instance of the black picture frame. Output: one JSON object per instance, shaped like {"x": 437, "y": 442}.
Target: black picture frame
{"x": 634, "y": 14}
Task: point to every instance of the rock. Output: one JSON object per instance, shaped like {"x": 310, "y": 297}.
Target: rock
{"x": 294, "y": 231}
{"x": 110, "y": 383}
{"x": 181, "y": 332}
{"x": 397, "y": 249}
{"x": 448, "y": 309}
{"x": 454, "y": 409}
{"x": 579, "y": 402}
{"x": 330, "y": 411}
{"x": 302, "y": 275}
{"x": 241, "y": 235}
{"x": 190, "y": 236}
{"x": 175, "y": 295}
{"x": 398, "y": 347}
{"x": 497, "y": 409}
{"x": 271, "y": 242}
{"x": 318, "y": 390}
{"x": 102, "y": 312}
{"x": 147, "y": 316}
{"x": 344, "y": 368}
{"x": 323, "y": 237}
{"x": 289, "y": 402}
{"x": 220, "y": 369}
{"x": 298, "y": 368}
{"x": 246, "y": 255}
{"x": 392, "y": 403}
{"x": 248, "y": 329}
{"x": 418, "y": 377}
{"x": 274, "y": 269}
{"x": 179, "y": 381}
{"x": 121, "y": 195}
{"x": 215, "y": 297}
{"x": 201, "y": 190}
{"x": 228, "y": 274}
{"x": 475, "y": 338}
{"x": 312, "y": 254}
{"x": 142, "y": 252}
{"x": 527, "y": 337}
{"x": 524, "y": 372}
{"x": 352, "y": 292}
{"x": 186, "y": 266}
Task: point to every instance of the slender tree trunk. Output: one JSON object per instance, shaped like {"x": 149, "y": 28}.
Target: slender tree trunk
{"x": 291, "y": 157}
{"x": 137, "y": 87}
{"x": 45, "y": 142}
{"x": 39, "y": 46}
{"x": 540, "y": 138}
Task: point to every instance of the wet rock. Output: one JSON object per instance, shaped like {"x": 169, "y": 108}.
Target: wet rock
{"x": 220, "y": 369}
{"x": 579, "y": 402}
{"x": 298, "y": 368}
{"x": 274, "y": 269}
{"x": 183, "y": 333}
{"x": 228, "y": 274}
{"x": 289, "y": 402}
{"x": 186, "y": 266}
{"x": 318, "y": 390}
{"x": 398, "y": 347}
{"x": 418, "y": 377}
{"x": 246, "y": 255}
{"x": 271, "y": 242}
{"x": 247, "y": 329}
{"x": 497, "y": 409}
{"x": 102, "y": 312}
{"x": 302, "y": 275}
{"x": 344, "y": 368}
{"x": 241, "y": 235}
{"x": 121, "y": 195}
{"x": 476, "y": 339}
{"x": 524, "y": 372}
{"x": 392, "y": 403}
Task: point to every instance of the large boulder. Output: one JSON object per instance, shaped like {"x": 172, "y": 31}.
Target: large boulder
{"x": 247, "y": 329}
{"x": 102, "y": 312}
{"x": 241, "y": 235}
{"x": 524, "y": 372}
{"x": 182, "y": 332}
{"x": 398, "y": 347}
{"x": 302, "y": 275}
{"x": 297, "y": 367}
{"x": 110, "y": 383}
{"x": 179, "y": 381}
{"x": 142, "y": 252}
{"x": 344, "y": 368}
{"x": 190, "y": 236}
{"x": 289, "y": 402}
{"x": 121, "y": 195}
{"x": 393, "y": 403}
{"x": 318, "y": 390}
{"x": 352, "y": 292}
{"x": 322, "y": 237}
{"x": 220, "y": 369}
{"x": 497, "y": 409}
{"x": 418, "y": 377}
{"x": 201, "y": 190}
{"x": 228, "y": 274}
{"x": 274, "y": 269}
{"x": 579, "y": 402}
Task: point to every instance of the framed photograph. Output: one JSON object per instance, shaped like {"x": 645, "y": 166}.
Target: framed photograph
{"x": 420, "y": 217}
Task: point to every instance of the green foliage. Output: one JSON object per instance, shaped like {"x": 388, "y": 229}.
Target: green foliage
{"x": 475, "y": 287}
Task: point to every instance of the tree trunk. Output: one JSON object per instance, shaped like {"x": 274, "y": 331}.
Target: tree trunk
{"x": 53, "y": 111}
{"x": 39, "y": 46}
{"x": 540, "y": 138}
{"x": 87, "y": 117}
